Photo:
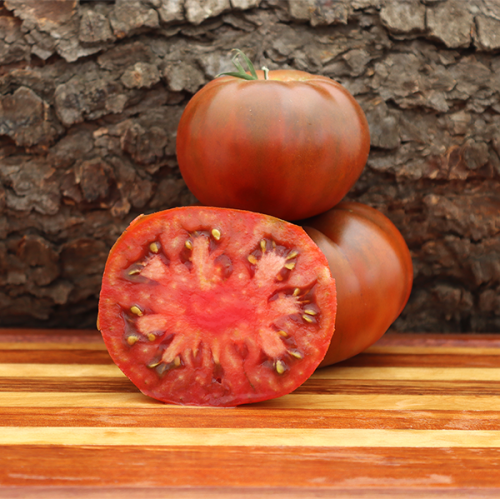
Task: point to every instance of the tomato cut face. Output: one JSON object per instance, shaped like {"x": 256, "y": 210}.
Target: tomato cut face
{"x": 210, "y": 306}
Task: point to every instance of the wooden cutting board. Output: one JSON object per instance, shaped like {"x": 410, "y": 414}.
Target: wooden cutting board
{"x": 414, "y": 416}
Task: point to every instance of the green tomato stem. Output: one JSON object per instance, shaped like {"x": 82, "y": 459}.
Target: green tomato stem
{"x": 241, "y": 73}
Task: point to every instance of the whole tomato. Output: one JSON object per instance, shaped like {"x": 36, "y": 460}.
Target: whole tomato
{"x": 373, "y": 271}
{"x": 284, "y": 143}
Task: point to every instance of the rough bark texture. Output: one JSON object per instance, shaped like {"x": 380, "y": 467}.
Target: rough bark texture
{"x": 91, "y": 94}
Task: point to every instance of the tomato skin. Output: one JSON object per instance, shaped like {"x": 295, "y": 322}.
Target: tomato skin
{"x": 373, "y": 270}
{"x": 291, "y": 146}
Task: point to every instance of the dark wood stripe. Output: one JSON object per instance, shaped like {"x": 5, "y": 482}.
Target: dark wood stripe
{"x": 93, "y": 356}
{"x": 243, "y": 417}
{"x": 327, "y": 469}
{"x": 68, "y": 336}
{"x": 66, "y": 357}
{"x": 73, "y": 384}
{"x": 311, "y": 386}
{"x": 421, "y": 360}
{"x": 470, "y": 340}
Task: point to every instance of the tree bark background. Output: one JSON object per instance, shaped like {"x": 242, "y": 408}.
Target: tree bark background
{"x": 91, "y": 94}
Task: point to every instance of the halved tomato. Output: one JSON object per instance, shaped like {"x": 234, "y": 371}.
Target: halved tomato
{"x": 211, "y": 306}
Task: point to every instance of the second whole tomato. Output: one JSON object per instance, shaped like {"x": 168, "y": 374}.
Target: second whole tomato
{"x": 284, "y": 143}
{"x": 373, "y": 271}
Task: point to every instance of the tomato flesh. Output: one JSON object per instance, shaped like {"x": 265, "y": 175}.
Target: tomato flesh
{"x": 210, "y": 306}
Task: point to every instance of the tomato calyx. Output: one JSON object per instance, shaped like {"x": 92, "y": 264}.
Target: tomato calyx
{"x": 241, "y": 73}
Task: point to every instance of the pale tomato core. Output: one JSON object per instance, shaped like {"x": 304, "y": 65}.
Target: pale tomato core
{"x": 219, "y": 310}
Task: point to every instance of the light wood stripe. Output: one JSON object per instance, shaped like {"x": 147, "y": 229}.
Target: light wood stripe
{"x": 35, "y": 370}
{"x": 119, "y": 436}
{"x": 291, "y": 401}
{"x": 407, "y": 373}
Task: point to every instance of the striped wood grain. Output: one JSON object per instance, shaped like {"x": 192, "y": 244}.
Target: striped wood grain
{"x": 413, "y": 416}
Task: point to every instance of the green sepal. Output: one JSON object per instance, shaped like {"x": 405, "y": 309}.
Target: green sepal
{"x": 247, "y": 61}
{"x": 245, "y": 76}
{"x": 241, "y": 73}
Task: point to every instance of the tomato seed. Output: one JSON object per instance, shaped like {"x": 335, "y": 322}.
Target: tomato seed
{"x": 135, "y": 310}
{"x": 132, "y": 339}
{"x": 280, "y": 367}
{"x": 154, "y": 363}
